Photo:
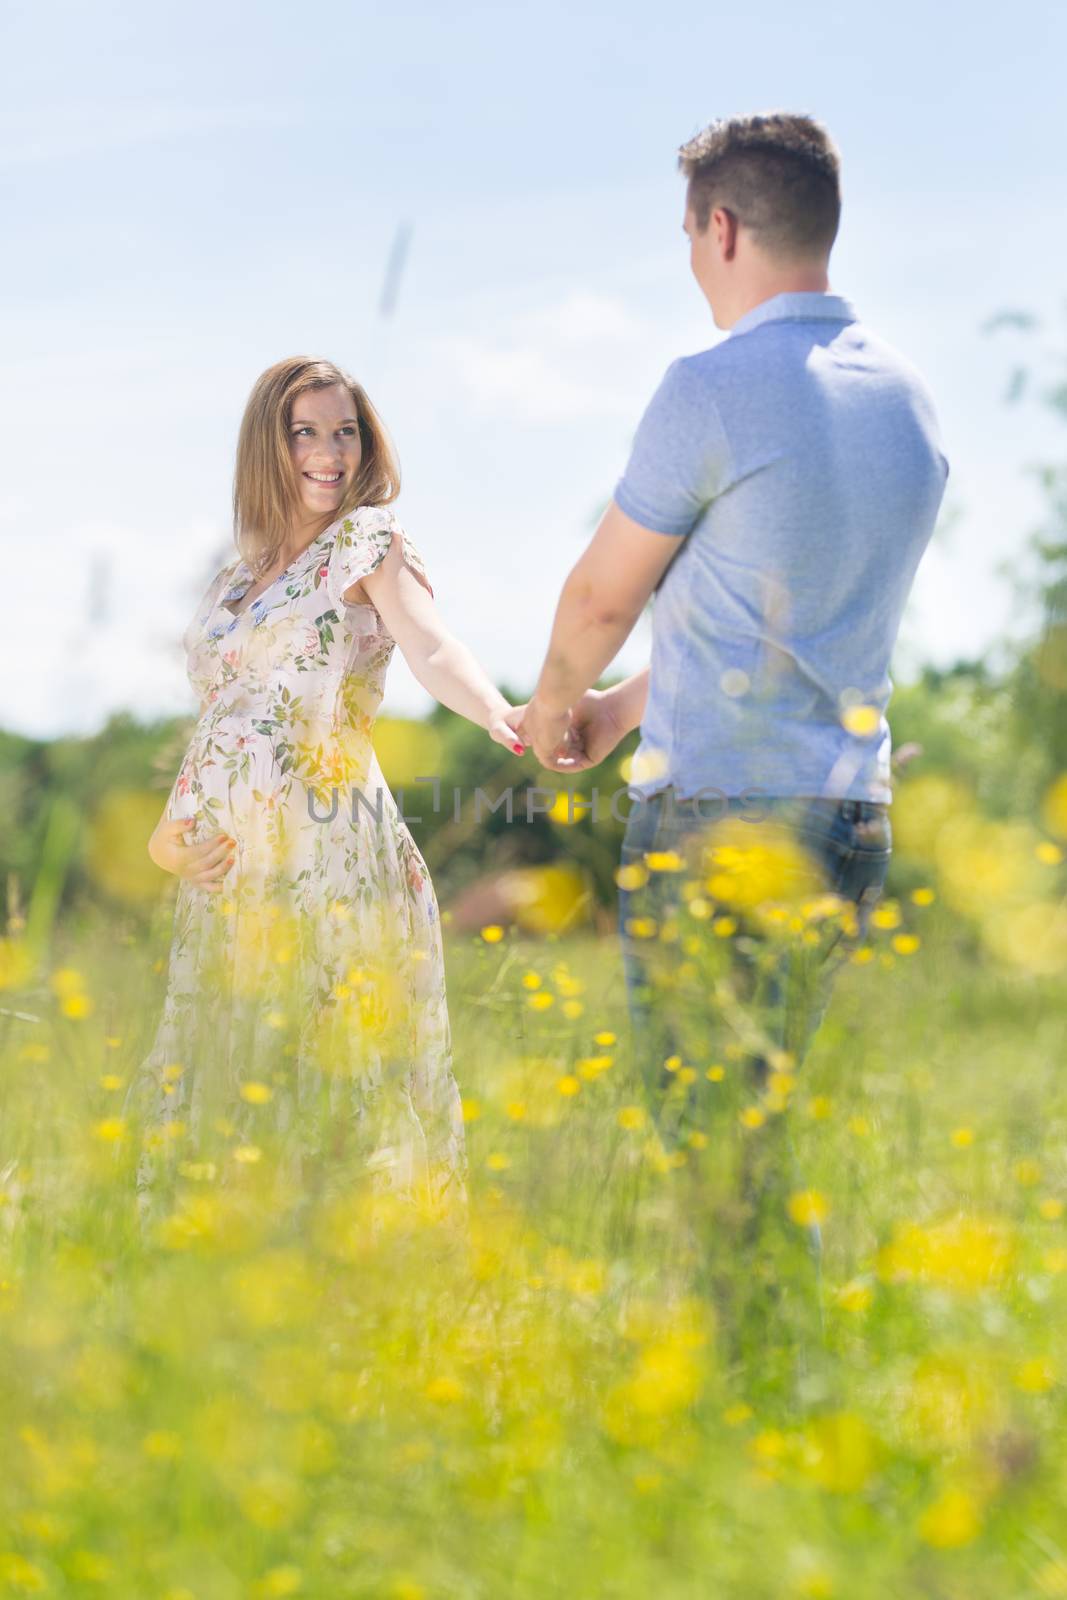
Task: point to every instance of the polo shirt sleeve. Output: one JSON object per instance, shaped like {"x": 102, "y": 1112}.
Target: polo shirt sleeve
{"x": 679, "y": 457}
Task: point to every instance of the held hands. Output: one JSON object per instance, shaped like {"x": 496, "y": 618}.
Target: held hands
{"x": 573, "y": 740}
{"x": 500, "y": 729}
{"x": 203, "y": 865}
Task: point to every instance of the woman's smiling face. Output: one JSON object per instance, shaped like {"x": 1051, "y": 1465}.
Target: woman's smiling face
{"x": 324, "y": 447}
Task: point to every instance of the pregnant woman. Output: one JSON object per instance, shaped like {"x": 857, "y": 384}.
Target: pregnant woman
{"x": 306, "y": 992}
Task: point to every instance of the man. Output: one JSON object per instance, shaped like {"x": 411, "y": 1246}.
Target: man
{"x": 781, "y": 489}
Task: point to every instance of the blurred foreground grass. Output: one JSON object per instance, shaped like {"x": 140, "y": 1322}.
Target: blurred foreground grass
{"x": 269, "y": 1396}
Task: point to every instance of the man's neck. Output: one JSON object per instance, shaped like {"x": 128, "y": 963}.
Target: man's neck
{"x": 814, "y": 281}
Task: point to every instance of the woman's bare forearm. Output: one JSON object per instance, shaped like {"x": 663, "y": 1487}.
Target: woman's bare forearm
{"x": 455, "y": 678}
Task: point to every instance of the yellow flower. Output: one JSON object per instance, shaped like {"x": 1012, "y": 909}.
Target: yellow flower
{"x": 906, "y": 944}
{"x": 111, "y": 1080}
{"x": 768, "y": 1445}
{"x": 666, "y": 1378}
{"x": 664, "y": 861}
{"x": 16, "y": 965}
{"x": 492, "y": 933}
{"x": 962, "y": 1137}
{"x": 247, "y": 1154}
{"x": 861, "y": 720}
{"x": 753, "y": 1117}
{"x": 746, "y": 873}
{"x": 1027, "y": 1172}
{"x": 76, "y": 1006}
{"x": 715, "y": 1074}
{"x": 541, "y": 1000}
{"x": 531, "y": 980}
{"x": 472, "y": 1109}
{"x": 641, "y": 927}
{"x": 1051, "y": 1208}
{"x": 568, "y": 1085}
{"x": 1054, "y": 807}
{"x": 604, "y": 1039}
{"x": 855, "y": 1295}
{"x": 736, "y": 1414}
{"x": 965, "y": 1253}
{"x": 859, "y": 1126}
{"x": 887, "y": 915}
{"x": 516, "y": 1110}
{"x": 407, "y": 1589}
{"x": 280, "y": 1581}
{"x": 839, "y": 1452}
{"x": 723, "y": 927}
{"x": 592, "y": 1066}
{"x": 497, "y": 1161}
{"x": 808, "y": 1206}
{"x": 565, "y": 983}
{"x": 67, "y": 980}
{"x": 572, "y": 1009}
{"x": 162, "y": 1445}
{"x": 951, "y": 1520}
{"x": 1048, "y": 853}
{"x": 111, "y": 1129}
{"x": 631, "y": 1117}
{"x": 633, "y": 876}
{"x": 923, "y": 897}
{"x": 1036, "y": 1376}
{"x": 444, "y": 1390}
{"x": 20, "y": 1573}
{"x": 568, "y": 808}
{"x": 257, "y": 1094}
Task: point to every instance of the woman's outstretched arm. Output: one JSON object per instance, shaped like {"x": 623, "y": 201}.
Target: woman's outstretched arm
{"x": 443, "y": 664}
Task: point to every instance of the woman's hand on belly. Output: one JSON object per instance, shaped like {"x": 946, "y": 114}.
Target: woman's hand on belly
{"x": 203, "y": 865}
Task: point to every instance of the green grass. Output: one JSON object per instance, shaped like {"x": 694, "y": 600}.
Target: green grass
{"x": 611, "y": 1386}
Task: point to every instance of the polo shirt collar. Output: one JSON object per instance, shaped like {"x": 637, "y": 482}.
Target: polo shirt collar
{"x": 799, "y": 305}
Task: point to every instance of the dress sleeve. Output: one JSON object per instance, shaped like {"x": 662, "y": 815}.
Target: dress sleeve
{"x": 212, "y": 594}
{"x": 361, "y": 545}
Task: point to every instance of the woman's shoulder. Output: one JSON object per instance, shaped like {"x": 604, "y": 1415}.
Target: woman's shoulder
{"x": 368, "y": 520}
{"x": 368, "y": 531}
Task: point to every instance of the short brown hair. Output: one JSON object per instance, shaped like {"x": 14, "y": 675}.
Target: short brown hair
{"x": 266, "y": 496}
{"x": 777, "y": 172}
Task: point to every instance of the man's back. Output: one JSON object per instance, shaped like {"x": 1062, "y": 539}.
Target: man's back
{"x": 801, "y": 460}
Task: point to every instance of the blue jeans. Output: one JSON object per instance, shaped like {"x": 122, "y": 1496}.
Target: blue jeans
{"x": 735, "y": 916}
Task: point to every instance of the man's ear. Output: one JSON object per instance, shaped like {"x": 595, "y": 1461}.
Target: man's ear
{"x": 726, "y": 226}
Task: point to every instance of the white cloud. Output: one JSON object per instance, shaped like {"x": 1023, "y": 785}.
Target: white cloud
{"x": 571, "y": 359}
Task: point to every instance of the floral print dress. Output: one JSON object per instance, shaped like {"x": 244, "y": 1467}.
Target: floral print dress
{"x": 310, "y": 990}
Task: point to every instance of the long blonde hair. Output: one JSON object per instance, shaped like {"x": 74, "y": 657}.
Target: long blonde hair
{"x": 266, "y": 495}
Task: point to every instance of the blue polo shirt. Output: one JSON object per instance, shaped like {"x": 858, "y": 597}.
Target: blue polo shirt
{"x": 797, "y": 465}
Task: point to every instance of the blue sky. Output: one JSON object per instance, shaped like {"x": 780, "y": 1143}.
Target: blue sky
{"x": 196, "y": 191}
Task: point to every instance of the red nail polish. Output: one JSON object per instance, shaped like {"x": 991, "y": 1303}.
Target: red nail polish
{"x": 518, "y": 749}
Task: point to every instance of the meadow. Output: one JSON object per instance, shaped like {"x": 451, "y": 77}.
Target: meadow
{"x": 595, "y": 1382}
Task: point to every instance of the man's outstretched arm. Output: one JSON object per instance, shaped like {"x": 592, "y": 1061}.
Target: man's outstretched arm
{"x": 601, "y": 600}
